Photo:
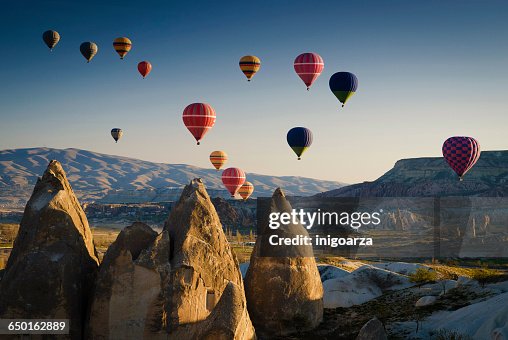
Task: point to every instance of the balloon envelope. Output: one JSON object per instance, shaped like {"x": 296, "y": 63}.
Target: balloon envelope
{"x": 88, "y": 50}
{"x": 144, "y": 68}
{"x": 122, "y": 46}
{"x": 233, "y": 178}
{"x": 343, "y": 85}
{"x": 299, "y": 139}
{"x": 249, "y": 65}
{"x": 246, "y": 190}
{"x": 309, "y": 66}
{"x": 198, "y": 118}
{"x": 116, "y": 133}
{"x": 461, "y": 153}
{"x": 218, "y": 159}
{"x": 51, "y": 38}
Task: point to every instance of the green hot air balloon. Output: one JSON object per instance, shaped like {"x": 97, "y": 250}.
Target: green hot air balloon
{"x": 343, "y": 85}
{"x": 299, "y": 139}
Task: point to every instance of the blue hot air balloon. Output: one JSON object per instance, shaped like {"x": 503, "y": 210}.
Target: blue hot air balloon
{"x": 299, "y": 139}
{"x": 343, "y": 85}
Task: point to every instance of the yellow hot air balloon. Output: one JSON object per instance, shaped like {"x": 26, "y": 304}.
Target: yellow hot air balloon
{"x": 218, "y": 159}
{"x": 249, "y": 65}
{"x": 246, "y": 190}
{"x": 122, "y": 46}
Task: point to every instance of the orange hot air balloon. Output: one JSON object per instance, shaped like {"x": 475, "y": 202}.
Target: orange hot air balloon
{"x": 246, "y": 190}
{"x": 218, "y": 159}
{"x": 122, "y": 46}
{"x": 144, "y": 68}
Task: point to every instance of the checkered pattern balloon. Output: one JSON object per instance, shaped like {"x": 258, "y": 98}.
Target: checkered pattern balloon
{"x": 461, "y": 153}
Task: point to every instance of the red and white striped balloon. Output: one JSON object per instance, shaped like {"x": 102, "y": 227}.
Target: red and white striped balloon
{"x": 198, "y": 118}
{"x": 309, "y": 66}
{"x": 233, "y": 178}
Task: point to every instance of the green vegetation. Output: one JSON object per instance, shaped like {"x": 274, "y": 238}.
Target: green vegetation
{"x": 485, "y": 275}
{"x": 423, "y": 275}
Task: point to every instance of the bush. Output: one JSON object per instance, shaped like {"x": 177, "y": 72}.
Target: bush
{"x": 423, "y": 275}
{"x": 484, "y": 276}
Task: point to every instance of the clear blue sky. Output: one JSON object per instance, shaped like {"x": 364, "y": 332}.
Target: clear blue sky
{"x": 427, "y": 70}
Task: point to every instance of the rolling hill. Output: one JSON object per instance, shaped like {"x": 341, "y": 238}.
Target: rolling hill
{"x": 113, "y": 179}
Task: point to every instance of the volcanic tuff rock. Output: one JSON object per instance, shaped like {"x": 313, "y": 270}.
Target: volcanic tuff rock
{"x": 372, "y": 330}
{"x": 234, "y": 214}
{"x": 53, "y": 262}
{"x": 284, "y": 293}
{"x": 128, "y": 292}
{"x": 205, "y": 282}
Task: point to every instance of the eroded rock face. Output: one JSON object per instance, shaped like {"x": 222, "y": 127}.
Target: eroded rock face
{"x": 53, "y": 262}
{"x": 284, "y": 293}
{"x": 205, "y": 283}
{"x": 128, "y": 294}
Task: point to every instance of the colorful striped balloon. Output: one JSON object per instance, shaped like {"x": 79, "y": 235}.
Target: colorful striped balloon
{"x": 461, "y": 153}
{"x": 198, "y": 118}
{"x": 299, "y": 139}
{"x": 116, "y": 133}
{"x": 51, "y": 38}
{"x": 88, "y": 50}
{"x": 309, "y": 66}
{"x": 249, "y": 65}
{"x": 343, "y": 85}
{"x": 218, "y": 159}
{"x": 233, "y": 178}
{"x": 246, "y": 190}
{"x": 122, "y": 46}
{"x": 144, "y": 68}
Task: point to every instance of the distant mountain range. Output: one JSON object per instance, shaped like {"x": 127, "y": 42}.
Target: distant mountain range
{"x": 114, "y": 179}
{"x": 431, "y": 176}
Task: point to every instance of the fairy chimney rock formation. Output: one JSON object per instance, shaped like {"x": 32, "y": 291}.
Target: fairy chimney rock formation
{"x": 128, "y": 294}
{"x": 283, "y": 287}
{"x": 205, "y": 282}
{"x": 53, "y": 262}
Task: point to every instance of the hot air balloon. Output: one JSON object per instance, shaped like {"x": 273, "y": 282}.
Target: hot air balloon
{"x": 249, "y": 65}
{"x": 218, "y": 159}
{"x": 343, "y": 85}
{"x": 233, "y": 178}
{"x": 116, "y": 133}
{"x": 199, "y": 118}
{"x": 88, "y": 50}
{"x": 246, "y": 190}
{"x": 299, "y": 139}
{"x": 461, "y": 153}
{"x": 122, "y": 46}
{"x": 51, "y": 38}
{"x": 309, "y": 66}
{"x": 144, "y": 68}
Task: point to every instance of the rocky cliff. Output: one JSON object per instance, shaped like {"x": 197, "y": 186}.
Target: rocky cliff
{"x": 424, "y": 177}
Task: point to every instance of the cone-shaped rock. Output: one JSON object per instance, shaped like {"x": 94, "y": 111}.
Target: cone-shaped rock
{"x": 128, "y": 295}
{"x": 202, "y": 266}
{"x": 53, "y": 262}
{"x": 282, "y": 285}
